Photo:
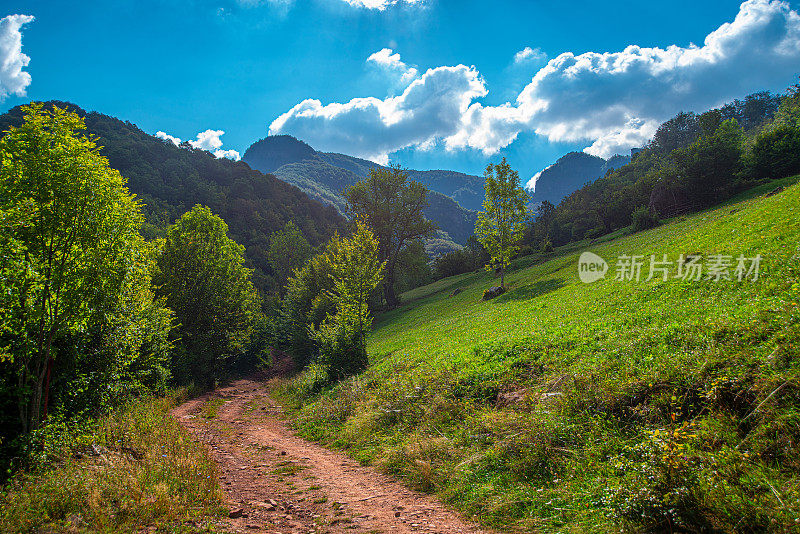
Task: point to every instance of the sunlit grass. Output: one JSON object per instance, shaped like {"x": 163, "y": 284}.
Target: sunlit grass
{"x": 133, "y": 469}
{"x": 565, "y": 406}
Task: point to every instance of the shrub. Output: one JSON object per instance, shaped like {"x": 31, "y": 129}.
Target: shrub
{"x": 644, "y": 219}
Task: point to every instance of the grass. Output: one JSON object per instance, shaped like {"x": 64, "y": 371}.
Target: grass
{"x": 619, "y": 405}
{"x": 210, "y": 410}
{"x": 134, "y": 469}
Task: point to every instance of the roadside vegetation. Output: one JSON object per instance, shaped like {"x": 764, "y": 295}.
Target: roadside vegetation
{"x": 563, "y": 406}
{"x": 126, "y": 472}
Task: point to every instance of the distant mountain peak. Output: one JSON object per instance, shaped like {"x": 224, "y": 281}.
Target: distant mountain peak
{"x": 570, "y": 172}
{"x": 275, "y": 151}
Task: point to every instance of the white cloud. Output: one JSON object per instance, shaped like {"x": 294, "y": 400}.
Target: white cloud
{"x": 380, "y": 5}
{"x": 532, "y": 182}
{"x": 230, "y": 154}
{"x": 208, "y": 140}
{"x": 166, "y": 137}
{"x": 13, "y": 80}
{"x": 390, "y": 61}
{"x": 529, "y": 54}
{"x": 612, "y": 101}
{"x": 430, "y": 108}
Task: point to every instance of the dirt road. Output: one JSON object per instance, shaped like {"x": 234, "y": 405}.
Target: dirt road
{"x": 277, "y": 482}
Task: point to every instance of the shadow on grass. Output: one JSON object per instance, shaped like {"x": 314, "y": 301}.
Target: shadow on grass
{"x": 531, "y": 291}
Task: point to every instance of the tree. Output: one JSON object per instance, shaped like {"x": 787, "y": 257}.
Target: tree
{"x": 355, "y": 271}
{"x": 70, "y": 227}
{"x": 711, "y": 164}
{"x": 288, "y": 250}
{"x": 201, "y": 274}
{"x": 392, "y": 207}
{"x": 501, "y": 224}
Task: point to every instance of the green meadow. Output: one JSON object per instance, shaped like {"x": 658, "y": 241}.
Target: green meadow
{"x": 561, "y": 406}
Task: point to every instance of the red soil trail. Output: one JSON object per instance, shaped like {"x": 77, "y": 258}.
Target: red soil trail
{"x": 277, "y": 482}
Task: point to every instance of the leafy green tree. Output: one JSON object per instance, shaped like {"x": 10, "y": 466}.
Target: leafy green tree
{"x": 501, "y": 224}
{"x": 288, "y": 250}
{"x": 392, "y": 207}
{"x": 70, "y": 227}
{"x": 355, "y": 271}
{"x": 202, "y": 276}
{"x": 711, "y": 164}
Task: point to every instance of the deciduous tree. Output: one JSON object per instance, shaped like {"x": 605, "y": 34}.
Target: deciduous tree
{"x": 70, "y": 228}
{"x": 501, "y": 224}
{"x": 392, "y": 207}
{"x": 201, "y": 274}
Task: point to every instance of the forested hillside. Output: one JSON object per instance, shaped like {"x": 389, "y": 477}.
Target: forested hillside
{"x": 170, "y": 180}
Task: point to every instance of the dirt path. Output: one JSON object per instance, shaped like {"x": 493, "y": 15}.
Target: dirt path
{"x": 277, "y": 482}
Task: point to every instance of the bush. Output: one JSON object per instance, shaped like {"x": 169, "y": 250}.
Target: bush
{"x": 644, "y": 219}
{"x": 342, "y": 349}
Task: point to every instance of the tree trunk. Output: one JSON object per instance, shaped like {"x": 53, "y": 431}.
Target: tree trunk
{"x": 47, "y": 386}
{"x": 503, "y": 275}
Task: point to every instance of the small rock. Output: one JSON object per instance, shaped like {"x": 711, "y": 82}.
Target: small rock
{"x": 493, "y": 292}
{"x": 237, "y": 512}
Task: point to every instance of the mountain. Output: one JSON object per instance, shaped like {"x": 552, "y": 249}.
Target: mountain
{"x": 571, "y": 172}
{"x": 324, "y": 176}
{"x": 170, "y": 180}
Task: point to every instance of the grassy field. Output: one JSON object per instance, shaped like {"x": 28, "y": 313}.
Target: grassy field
{"x": 619, "y": 405}
{"x": 135, "y": 470}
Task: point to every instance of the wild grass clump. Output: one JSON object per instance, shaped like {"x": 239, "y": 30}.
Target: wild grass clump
{"x": 660, "y": 405}
{"x": 129, "y": 470}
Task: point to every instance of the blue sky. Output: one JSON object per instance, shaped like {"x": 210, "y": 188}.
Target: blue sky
{"x": 436, "y": 83}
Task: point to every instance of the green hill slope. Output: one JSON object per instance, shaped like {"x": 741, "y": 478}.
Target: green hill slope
{"x": 563, "y": 406}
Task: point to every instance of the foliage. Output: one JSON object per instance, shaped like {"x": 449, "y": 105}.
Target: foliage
{"x": 201, "y": 275}
{"x": 470, "y": 258}
{"x": 501, "y": 223}
{"x": 413, "y": 268}
{"x": 306, "y": 304}
{"x": 355, "y": 271}
{"x": 692, "y": 162}
{"x": 145, "y": 471}
{"x": 76, "y": 261}
{"x": 170, "y": 180}
{"x": 710, "y": 163}
{"x": 288, "y": 250}
{"x": 393, "y": 208}
{"x": 643, "y": 219}
{"x": 561, "y": 406}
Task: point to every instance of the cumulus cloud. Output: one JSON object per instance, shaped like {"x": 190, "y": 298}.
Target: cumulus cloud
{"x": 529, "y": 54}
{"x": 380, "y": 5}
{"x": 431, "y": 107}
{"x": 166, "y": 137}
{"x": 208, "y": 140}
{"x": 13, "y": 80}
{"x": 390, "y": 61}
{"x": 612, "y": 101}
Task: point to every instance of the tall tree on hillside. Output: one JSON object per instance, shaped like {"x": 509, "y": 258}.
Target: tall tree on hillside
{"x": 501, "y": 224}
{"x": 201, "y": 273}
{"x": 288, "y": 250}
{"x": 70, "y": 231}
{"x": 392, "y": 206}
